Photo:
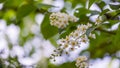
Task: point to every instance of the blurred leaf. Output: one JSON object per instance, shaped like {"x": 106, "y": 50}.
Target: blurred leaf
{"x": 24, "y": 10}
{"x": 47, "y": 30}
{"x": 114, "y": 7}
{"x": 1, "y": 1}
{"x": 106, "y": 42}
{"x": 82, "y": 14}
{"x": 101, "y": 4}
{"x": 9, "y": 16}
{"x": 104, "y": 11}
{"x": 81, "y": 11}
{"x": 75, "y": 2}
{"x": 12, "y": 3}
{"x": 113, "y": 15}
{"x": 32, "y": 51}
{"x": 53, "y": 40}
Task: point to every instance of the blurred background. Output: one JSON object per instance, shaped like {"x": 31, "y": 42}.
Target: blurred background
{"x": 27, "y": 39}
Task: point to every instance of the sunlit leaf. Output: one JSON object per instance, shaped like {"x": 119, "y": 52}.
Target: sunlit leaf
{"x": 12, "y": 3}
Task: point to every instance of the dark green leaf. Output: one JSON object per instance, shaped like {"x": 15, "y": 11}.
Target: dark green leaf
{"x": 2, "y": 1}
{"x": 47, "y": 30}
{"x": 24, "y": 10}
{"x": 114, "y": 7}
{"x": 101, "y": 4}
{"x": 81, "y": 11}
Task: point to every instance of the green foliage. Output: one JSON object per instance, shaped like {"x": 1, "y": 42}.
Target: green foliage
{"x": 106, "y": 42}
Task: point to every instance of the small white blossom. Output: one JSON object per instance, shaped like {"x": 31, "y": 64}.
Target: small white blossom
{"x": 98, "y": 21}
{"x": 92, "y": 36}
{"x": 81, "y": 62}
{"x": 61, "y": 20}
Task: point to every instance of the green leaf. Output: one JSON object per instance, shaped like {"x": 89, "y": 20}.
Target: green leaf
{"x": 47, "y": 30}
{"x": 24, "y": 10}
{"x": 104, "y": 11}
{"x": 82, "y": 14}
{"x": 12, "y": 3}
{"x": 114, "y": 7}
{"x": 53, "y": 40}
{"x": 1, "y": 1}
{"x": 81, "y": 11}
{"x": 101, "y": 4}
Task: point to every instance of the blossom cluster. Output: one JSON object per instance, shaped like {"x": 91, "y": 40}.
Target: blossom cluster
{"x": 98, "y": 21}
{"x": 61, "y": 20}
{"x": 72, "y": 41}
{"x": 81, "y": 62}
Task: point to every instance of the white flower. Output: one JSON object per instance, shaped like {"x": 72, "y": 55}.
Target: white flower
{"x": 61, "y": 20}
{"x": 81, "y": 62}
{"x": 98, "y": 21}
{"x": 92, "y": 35}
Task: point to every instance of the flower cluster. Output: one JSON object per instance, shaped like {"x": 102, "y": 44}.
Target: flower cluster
{"x": 72, "y": 41}
{"x": 61, "y": 20}
{"x": 98, "y": 21}
{"x": 81, "y": 62}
